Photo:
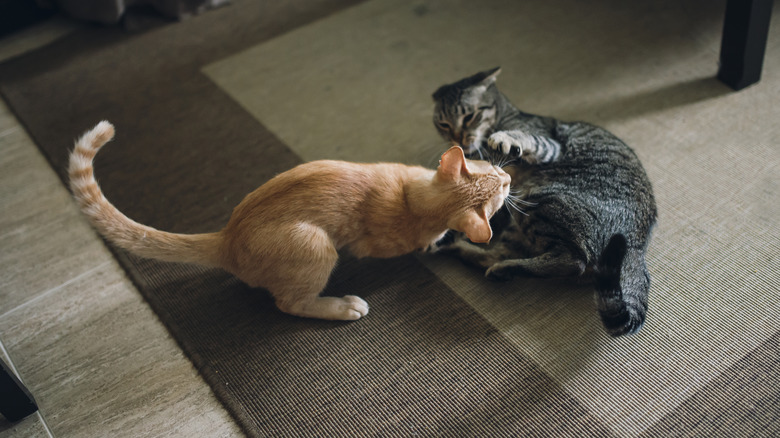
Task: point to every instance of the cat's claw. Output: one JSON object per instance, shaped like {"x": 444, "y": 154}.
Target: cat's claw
{"x": 499, "y": 272}
{"x": 506, "y": 144}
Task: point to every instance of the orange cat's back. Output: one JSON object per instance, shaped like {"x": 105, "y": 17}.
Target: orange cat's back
{"x": 334, "y": 195}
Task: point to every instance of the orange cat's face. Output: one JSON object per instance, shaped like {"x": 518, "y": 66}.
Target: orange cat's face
{"x": 490, "y": 172}
{"x": 481, "y": 188}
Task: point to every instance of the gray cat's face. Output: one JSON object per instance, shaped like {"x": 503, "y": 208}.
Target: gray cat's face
{"x": 465, "y": 112}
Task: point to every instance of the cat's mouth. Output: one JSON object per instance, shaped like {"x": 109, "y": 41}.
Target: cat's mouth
{"x": 469, "y": 149}
{"x": 469, "y": 143}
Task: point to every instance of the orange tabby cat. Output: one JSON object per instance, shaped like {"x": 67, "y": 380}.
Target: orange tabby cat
{"x": 284, "y": 236}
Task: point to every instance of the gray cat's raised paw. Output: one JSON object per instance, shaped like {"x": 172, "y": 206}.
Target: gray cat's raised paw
{"x": 505, "y": 143}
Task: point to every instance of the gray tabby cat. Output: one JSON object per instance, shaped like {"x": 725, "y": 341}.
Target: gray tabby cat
{"x": 589, "y": 204}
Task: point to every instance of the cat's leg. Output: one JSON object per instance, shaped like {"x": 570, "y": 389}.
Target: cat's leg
{"x": 296, "y": 273}
{"x": 555, "y": 263}
{"x": 346, "y": 308}
{"x": 528, "y": 147}
{"x": 473, "y": 255}
{"x": 469, "y": 253}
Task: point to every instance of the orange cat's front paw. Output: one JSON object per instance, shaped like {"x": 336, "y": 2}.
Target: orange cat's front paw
{"x": 354, "y": 308}
{"x": 348, "y": 308}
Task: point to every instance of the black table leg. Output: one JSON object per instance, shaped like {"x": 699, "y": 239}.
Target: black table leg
{"x": 16, "y": 402}
{"x": 742, "y": 48}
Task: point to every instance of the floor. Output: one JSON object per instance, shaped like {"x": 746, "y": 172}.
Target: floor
{"x": 70, "y": 319}
{"x": 645, "y": 72}
{"x": 66, "y": 306}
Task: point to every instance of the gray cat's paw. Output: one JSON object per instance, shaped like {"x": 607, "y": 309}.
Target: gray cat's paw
{"x": 500, "y": 272}
{"x": 443, "y": 244}
{"x": 505, "y": 143}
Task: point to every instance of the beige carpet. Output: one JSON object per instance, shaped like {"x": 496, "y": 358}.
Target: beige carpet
{"x": 357, "y": 86}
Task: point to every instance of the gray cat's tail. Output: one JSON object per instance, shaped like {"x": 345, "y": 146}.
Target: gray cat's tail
{"x": 622, "y": 284}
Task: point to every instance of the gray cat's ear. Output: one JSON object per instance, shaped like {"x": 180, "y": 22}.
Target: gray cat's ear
{"x": 453, "y": 163}
{"x": 485, "y": 80}
{"x": 490, "y": 76}
{"x": 476, "y": 226}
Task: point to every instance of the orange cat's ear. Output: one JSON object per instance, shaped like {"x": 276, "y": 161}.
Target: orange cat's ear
{"x": 453, "y": 163}
{"x": 476, "y": 226}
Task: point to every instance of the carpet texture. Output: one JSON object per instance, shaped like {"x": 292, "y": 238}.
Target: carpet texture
{"x": 208, "y": 109}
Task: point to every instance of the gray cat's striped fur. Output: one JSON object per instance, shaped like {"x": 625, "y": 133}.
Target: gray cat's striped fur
{"x": 583, "y": 203}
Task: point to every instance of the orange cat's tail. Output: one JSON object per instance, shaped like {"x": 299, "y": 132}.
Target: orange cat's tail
{"x": 139, "y": 239}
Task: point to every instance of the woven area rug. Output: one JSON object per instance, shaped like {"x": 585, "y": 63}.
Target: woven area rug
{"x": 208, "y": 109}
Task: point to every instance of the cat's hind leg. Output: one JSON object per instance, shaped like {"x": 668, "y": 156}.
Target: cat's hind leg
{"x": 300, "y": 271}
{"x": 555, "y": 263}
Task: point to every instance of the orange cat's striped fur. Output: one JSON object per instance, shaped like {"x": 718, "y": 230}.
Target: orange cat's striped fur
{"x": 284, "y": 236}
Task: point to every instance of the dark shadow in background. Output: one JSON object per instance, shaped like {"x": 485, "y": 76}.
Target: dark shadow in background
{"x": 651, "y": 101}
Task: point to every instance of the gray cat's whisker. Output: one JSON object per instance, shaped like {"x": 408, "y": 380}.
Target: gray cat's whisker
{"x": 429, "y": 156}
{"x": 505, "y": 161}
{"x": 491, "y": 158}
{"x": 434, "y": 158}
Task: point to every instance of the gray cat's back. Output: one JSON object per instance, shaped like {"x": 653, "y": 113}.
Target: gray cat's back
{"x": 596, "y": 189}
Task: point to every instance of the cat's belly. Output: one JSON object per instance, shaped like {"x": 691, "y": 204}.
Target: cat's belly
{"x": 386, "y": 246}
{"x": 382, "y": 250}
